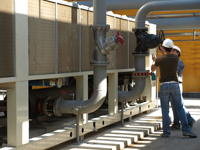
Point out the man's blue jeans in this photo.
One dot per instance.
(175, 113)
(166, 91)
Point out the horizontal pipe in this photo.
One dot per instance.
(121, 4)
(163, 6)
(56, 83)
(183, 34)
(162, 16)
(176, 23)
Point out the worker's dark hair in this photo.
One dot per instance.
(179, 54)
(168, 49)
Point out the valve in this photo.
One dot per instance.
(161, 38)
(120, 39)
(145, 41)
(105, 45)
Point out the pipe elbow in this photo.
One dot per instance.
(134, 93)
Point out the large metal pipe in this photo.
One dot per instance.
(140, 25)
(121, 4)
(99, 64)
(163, 6)
(99, 94)
(99, 12)
(176, 23)
(139, 82)
(163, 24)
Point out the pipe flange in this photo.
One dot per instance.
(100, 27)
(140, 53)
(46, 104)
(140, 29)
(99, 63)
(55, 107)
(140, 74)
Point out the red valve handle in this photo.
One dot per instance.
(120, 38)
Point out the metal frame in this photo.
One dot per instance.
(18, 128)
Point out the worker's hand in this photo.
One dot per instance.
(153, 57)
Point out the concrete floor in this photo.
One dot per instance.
(141, 133)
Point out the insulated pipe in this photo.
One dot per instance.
(100, 77)
(176, 23)
(121, 4)
(163, 6)
(139, 82)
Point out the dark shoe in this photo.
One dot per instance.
(190, 134)
(165, 136)
(191, 124)
(175, 127)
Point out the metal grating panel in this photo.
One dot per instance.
(132, 44)
(41, 37)
(68, 52)
(6, 39)
(85, 41)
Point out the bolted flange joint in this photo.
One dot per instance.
(140, 74)
(55, 107)
(100, 62)
(100, 27)
(47, 106)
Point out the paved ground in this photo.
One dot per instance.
(176, 141)
(142, 133)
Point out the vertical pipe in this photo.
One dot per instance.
(99, 19)
(139, 63)
(99, 12)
